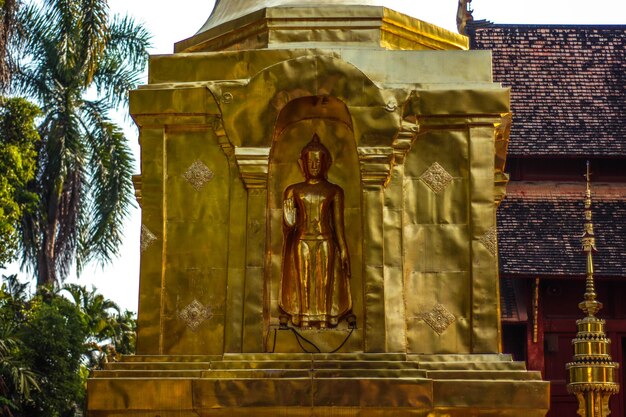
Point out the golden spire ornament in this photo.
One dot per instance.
(592, 374)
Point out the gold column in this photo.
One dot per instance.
(592, 374)
(484, 244)
(393, 212)
(253, 168)
(152, 225)
(233, 332)
(375, 170)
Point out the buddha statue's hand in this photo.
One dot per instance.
(345, 262)
(289, 212)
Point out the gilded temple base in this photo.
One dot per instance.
(355, 384)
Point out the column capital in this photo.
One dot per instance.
(376, 163)
(403, 141)
(253, 166)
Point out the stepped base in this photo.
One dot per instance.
(341, 385)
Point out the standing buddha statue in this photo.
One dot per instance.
(315, 291)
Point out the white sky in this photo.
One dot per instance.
(170, 22)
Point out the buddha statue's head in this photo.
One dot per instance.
(315, 159)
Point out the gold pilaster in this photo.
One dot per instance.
(376, 163)
(234, 313)
(592, 374)
(393, 214)
(253, 165)
(151, 265)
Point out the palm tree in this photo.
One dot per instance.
(110, 332)
(83, 180)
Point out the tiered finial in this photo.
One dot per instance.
(589, 306)
(463, 15)
(592, 374)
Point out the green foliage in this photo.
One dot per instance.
(53, 337)
(18, 156)
(17, 382)
(84, 163)
(111, 332)
(51, 343)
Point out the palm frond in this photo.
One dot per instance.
(30, 242)
(111, 166)
(22, 380)
(124, 59)
(16, 289)
(63, 28)
(114, 81)
(69, 212)
(129, 42)
(94, 32)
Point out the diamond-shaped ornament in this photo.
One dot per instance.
(194, 314)
(490, 240)
(198, 174)
(436, 178)
(439, 319)
(147, 238)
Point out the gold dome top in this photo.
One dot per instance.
(254, 24)
(228, 10)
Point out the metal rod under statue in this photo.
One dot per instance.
(316, 266)
(592, 374)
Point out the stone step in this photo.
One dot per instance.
(171, 358)
(270, 396)
(267, 357)
(318, 364)
(474, 366)
(262, 374)
(484, 375)
(463, 357)
(275, 364)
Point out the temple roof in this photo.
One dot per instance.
(567, 84)
(540, 225)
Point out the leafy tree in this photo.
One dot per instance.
(18, 156)
(17, 380)
(84, 168)
(53, 335)
(49, 344)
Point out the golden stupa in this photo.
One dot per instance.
(592, 373)
(350, 275)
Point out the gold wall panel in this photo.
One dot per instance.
(426, 290)
(196, 254)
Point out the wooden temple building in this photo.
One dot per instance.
(569, 105)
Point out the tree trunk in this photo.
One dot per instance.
(46, 274)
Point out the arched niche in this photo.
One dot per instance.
(297, 122)
(248, 107)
